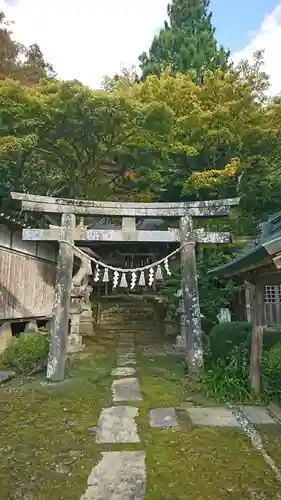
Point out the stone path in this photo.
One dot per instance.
(163, 418)
(120, 475)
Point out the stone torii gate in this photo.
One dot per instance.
(72, 233)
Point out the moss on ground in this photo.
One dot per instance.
(196, 463)
(46, 449)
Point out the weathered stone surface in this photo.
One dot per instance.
(120, 475)
(212, 417)
(75, 343)
(6, 337)
(127, 353)
(123, 371)
(5, 376)
(257, 415)
(126, 389)
(31, 327)
(123, 361)
(275, 411)
(163, 418)
(117, 425)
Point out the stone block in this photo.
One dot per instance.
(6, 337)
(212, 417)
(31, 327)
(123, 371)
(126, 389)
(75, 343)
(163, 418)
(117, 425)
(120, 475)
(257, 415)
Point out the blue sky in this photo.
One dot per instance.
(86, 39)
(237, 21)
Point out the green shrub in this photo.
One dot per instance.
(271, 338)
(27, 354)
(225, 336)
(271, 371)
(228, 379)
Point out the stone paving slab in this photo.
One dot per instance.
(123, 371)
(117, 425)
(120, 475)
(123, 361)
(163, 418)
(257, 415)
(126, 389)
(126, 354)
(212, 417)
(6, 375)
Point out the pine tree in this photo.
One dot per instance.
(187, 42)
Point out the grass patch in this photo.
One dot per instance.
(46, 449)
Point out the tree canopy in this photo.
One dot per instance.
(187, 42)
(24, 64)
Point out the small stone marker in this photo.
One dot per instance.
(257, 415)
(117, 425)
(126, 389)
(123, 371)
(120, 475)
(212, 417)
(163, 418)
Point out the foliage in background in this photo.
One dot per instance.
(27, 354)
(23, 64)
(271, 369)
(187, 42)
(227, 365)
(227, 380)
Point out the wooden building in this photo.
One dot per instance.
(27, 274)
(260, 268)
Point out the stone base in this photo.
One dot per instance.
(86, 324)
(181, 343)
(6, 337)
(75, 343)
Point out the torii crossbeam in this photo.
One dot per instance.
(69, 232)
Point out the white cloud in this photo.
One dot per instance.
(86, 39)
(269, 39)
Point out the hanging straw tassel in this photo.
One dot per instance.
(123, 282)
(151, 277)
(105, 276)
(159, 275)
(142, 279)
(133, 280)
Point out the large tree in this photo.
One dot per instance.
(186, 43)
(24, 64)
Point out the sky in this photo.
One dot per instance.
(87, 39)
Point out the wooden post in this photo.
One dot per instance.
(257, 336)
(194, 355)
(60, 316)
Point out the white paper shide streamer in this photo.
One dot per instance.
(151, 276)
(137, 275)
